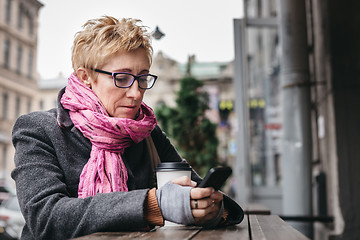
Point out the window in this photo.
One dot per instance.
(4, 157)
(5, 103)
(29, 105)
(20, 16)
(19, 59)
(31, 25)
(30, 64)
(17, 106)
(41, 104)
(8, 11)
(7, 53)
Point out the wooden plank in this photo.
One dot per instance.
(255, 208)
(272, 227)
(255, 229)
(172, 233)
(239, 231)
(111, 235)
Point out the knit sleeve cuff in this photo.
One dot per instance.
(152, 211)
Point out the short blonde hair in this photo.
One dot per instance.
(105, 36)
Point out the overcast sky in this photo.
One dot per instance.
(200, 27)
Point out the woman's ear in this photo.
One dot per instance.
(84, 77)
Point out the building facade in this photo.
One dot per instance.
(18, 76)
(48, 91)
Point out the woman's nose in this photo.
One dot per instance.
(134, 91)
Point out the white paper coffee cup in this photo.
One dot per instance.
(168, 171)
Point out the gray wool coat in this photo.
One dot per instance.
(50, 154)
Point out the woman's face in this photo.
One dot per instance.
(122, 102)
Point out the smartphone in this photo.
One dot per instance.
(216, 177)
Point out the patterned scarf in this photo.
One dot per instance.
(105, 171)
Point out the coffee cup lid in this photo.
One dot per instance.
(173, 166)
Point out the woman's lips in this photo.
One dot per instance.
(132, 106)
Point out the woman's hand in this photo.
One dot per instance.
(205, 202)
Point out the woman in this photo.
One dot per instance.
(85, 166)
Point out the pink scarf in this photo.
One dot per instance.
(105, 171)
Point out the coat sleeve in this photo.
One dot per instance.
(49, 210)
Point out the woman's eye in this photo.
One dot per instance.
(121, 79)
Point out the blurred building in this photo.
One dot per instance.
(216, 76)
(298, 150)
(18, 76)
(48, 91)
(169, 74)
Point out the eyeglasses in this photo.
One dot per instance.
(126, 80)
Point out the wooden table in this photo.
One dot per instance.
(253, 227)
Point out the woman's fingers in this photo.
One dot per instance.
(216, 196)
(199, 193)
(201, 203)
(202, 212)
(203, 215)
(184, 181)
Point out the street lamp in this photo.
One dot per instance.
(157, 34)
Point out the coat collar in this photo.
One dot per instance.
(65, 122)
(63, 116)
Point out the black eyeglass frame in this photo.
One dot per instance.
(135, 77)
